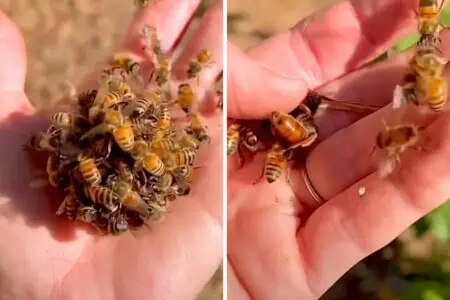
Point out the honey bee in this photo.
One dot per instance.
(129, 198)
(429, 25)
(436, 93)
(150, 35)
(163, 146)
(143, 126)
(394, 141)
(184, 174)
(186, 97)
(40, 142)
(64, 120)
(117, 224)
(70, 205)
(233, 138)
(202, 59)
(89, 171)
(153, 164)
(86, 214)
(104, 196)
(142, 104)
(122, 88)
(198, 129)
(187, 140)
(86, 100)
(184, 157)
(297, 132)
(163, 125)
(163, 184)
(54, 171)
(121, 129)
(163, 70)
(123, 62)
(276, 163)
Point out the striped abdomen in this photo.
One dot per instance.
(153, 164)
(185, 157)
(437, 93)
(62, 120)
(275, 165)
(104, 196)
(89, 171)
(124, 137)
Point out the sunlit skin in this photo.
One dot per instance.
(281, 244)
(42, 256)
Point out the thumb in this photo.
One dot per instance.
(255, 90)
(12, 52)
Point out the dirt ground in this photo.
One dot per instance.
(65, 38)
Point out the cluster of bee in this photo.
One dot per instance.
(289, 131)
(120, 158)
(423, 84)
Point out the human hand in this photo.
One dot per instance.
(271, 253)
(43, 256)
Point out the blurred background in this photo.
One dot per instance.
(415, 266)
(64, 39)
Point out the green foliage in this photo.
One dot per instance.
(426, 290)
(437, 222)
(445, 16)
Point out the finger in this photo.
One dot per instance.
(169, 17)
(255, 91)
(354, 227)
(337, 40)
(208, 36)
(348, 144)
(12, 52)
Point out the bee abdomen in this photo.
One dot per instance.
(104, 196)
(153, 164)
(272, 171)
(124, 137)
(89, 172)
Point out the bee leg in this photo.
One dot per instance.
(259, 178)
(240, 156)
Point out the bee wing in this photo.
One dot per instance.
(61, 208)
(398, 100)
(99, 129)
(387, 166)
(135, 203)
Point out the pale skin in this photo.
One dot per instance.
(281, 243)
(42, 256)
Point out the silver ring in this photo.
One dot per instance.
(312, 191)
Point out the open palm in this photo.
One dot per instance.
(45, 257)
(284, 249)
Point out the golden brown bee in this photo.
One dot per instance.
(53, 170)
(202, 59)
(163, 70)
(431, 83)
(104, 196)
(151, 40)
(115, 123)
(153, 164)
(184, 174)
(87, 214)
(186, 97)
(141, 104)
(139, 150)
(40, 142)
(163, 184)
(124, 61)
(69, 206)
(86, 100)
(163, 146)
(184, 157)
(429, 25)
(117, 224)
(129, 198)
(143, 126)
(276, 163)
(89, 171)
(394, 141)
(110, 100)
(233, 138)
(163, 126)
(198, 129)
(187, 140)
(297, 132)
(124, 137)
(122, 88)
(64, 120)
